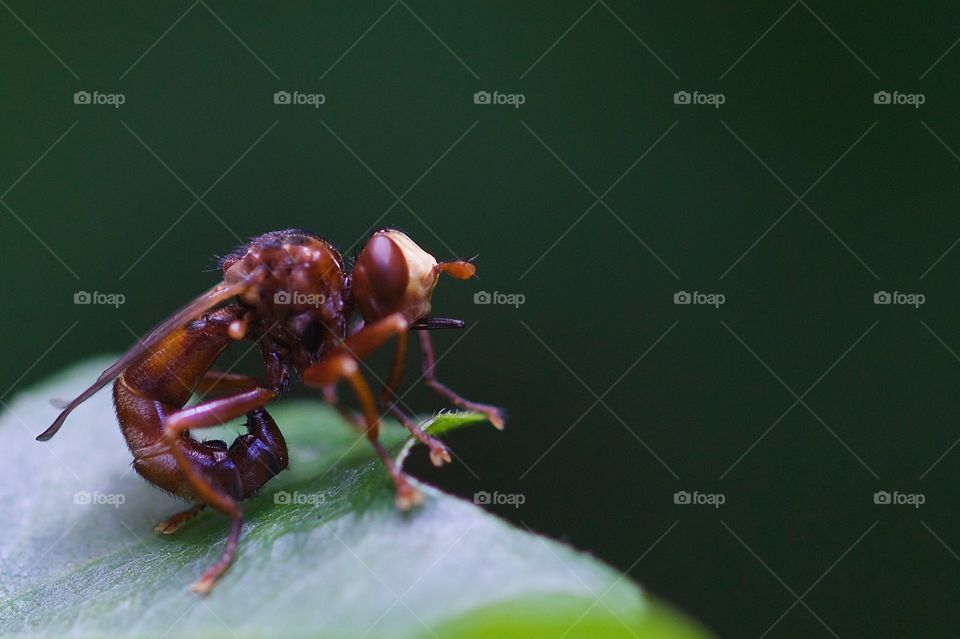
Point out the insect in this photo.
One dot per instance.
(289, 292)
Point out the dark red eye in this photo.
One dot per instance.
(380, 277)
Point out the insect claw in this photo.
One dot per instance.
(439, 455)
(173, 523)
(166, 527)
(495, 417)
(203, 585)
(408, 497)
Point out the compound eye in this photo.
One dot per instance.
(381, 276)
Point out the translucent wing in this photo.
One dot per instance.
(207, 300)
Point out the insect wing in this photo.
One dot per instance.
(207, 300)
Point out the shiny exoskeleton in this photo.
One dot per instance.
(287, 291)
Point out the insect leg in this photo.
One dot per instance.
(170, 525)
(331, 397)
(343, 363)
(438, 452)
(396, 370)
(204, 415)
(346, 367)
(219, 499)
(215, 412)
(218, 384)
(356, 347)
(429, 375)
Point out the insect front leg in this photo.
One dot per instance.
(343, 363)
(429, 375)
(331, 397)
(439, 454)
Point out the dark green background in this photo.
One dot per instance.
(799, 518)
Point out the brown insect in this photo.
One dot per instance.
(289, 292)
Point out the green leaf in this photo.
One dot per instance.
(336, 560)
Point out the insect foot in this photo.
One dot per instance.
(408, 497)
(173, 523)
(203, 585)
(439, 454)
(496, 418)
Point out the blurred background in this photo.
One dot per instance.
(776, 457)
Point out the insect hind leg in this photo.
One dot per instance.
(173, 523)
(236, 473)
